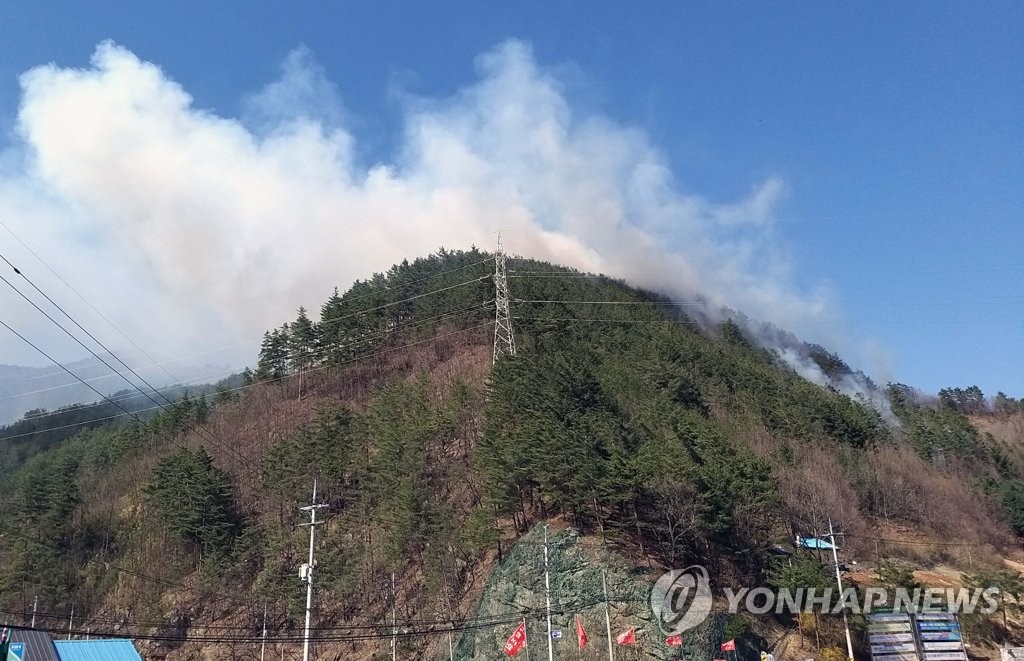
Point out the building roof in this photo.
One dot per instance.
(38, 644)
(813, 543)
(95, 650)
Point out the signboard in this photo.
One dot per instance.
(945, 656)
(940, 637)
(891, 637)
(16, 652)
(918, 637)
(895, 657)
(893, 648)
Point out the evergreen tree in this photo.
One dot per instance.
(194, 499)
(302, 343)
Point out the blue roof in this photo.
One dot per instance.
(812, 543)
(96, 650)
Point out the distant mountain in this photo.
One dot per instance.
(28, 388)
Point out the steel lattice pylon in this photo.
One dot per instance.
(504, 341)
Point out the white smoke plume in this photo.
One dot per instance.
(181, 223)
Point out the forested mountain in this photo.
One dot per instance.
(647, 434)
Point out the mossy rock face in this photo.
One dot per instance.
(515, 589)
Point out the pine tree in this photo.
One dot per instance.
(273, 355)
(302, 342)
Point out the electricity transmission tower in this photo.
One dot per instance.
(504, 342)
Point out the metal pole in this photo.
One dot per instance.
(547, 594)
(71, 620)
(839, 582)
(607, 618)
(526, 640)
(394, 621)
(35, 603)
(577, 638)
(311, 508)
(263, 645)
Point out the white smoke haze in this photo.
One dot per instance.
(181, 224)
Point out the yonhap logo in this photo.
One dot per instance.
(681, 599)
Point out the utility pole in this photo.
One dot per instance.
(35, 604)
(839, 582)
(451, 615)
(547, 594)
(307, 571)
(263, 645)
(504, 341)
(71, 620)
(394, 620)
(607, 618)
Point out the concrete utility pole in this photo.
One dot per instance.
(839, 582)
(547, 594)
(306, 572)
(263, 645)
(504, 341)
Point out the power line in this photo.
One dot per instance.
(50, 358)
(319, 352)
(80, 296)
(681, 322)
(673, 303)
(436, 628)
(238, 388)
(344, 300)
(118, 373)
(128, 622)
(909, 542)
(112, 400)
(199, 429)
(333, 320)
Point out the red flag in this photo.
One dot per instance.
(516, 641)
(729, 645)
(581, 634)
(627, 637)
(674, 641)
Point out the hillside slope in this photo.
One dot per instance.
(660, 436)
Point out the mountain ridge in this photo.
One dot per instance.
(671, 439)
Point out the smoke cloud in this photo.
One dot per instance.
(182, 224)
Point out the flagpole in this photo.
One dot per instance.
(607, 619)
(577, 637)
(526, 640)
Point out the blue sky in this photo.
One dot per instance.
(893, 130)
